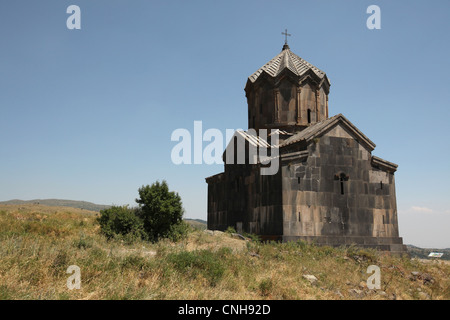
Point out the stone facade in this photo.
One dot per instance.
(329, 188)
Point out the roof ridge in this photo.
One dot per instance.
(321, 126)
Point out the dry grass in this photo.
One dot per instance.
(38, 243)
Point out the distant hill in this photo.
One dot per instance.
(197, 223)
(60, 203)
(422, 253)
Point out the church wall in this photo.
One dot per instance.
(318, 204)
(286, 104)
(217, 211)
(247, 201)
(307, 101)
(261, 103)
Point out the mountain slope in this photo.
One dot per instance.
(60, 203)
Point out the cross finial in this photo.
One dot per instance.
(285, 36)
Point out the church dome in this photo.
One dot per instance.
(286, 59)
(287, 93)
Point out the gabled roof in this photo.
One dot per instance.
(383, 164)
(280, 132)
(319, 128)
(287, 59)
(255, 140)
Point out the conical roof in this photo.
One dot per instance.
(287, 59)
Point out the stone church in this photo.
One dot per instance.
(329, 189)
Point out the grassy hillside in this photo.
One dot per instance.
(39, 243)
(59, 203)
(197, 223)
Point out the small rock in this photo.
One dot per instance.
(210, 232)
(382, 293)
(424, 296)
(312, 279)
(356, 293)
(362, 285)
(427, 278)
(415, 275)
(254, 254)
(238, 236)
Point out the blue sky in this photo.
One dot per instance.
(88, 114)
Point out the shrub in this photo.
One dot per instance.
(83, 242)
(265, 287)
(179, 231)
(121, 221)
(252, 236)
(230, 230)
(202, 262)
(161, 210)
(159, 215)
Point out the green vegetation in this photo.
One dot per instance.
(158, 216)
(122, 222)
(37, 245)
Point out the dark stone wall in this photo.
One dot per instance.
(243, 198)
(327, 191)
(283, 103)
(336, 193)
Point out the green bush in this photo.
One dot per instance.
(121, 221)
(161, 210)
(252, 236)
(179, 231)
(230, 230)
(159, 215)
